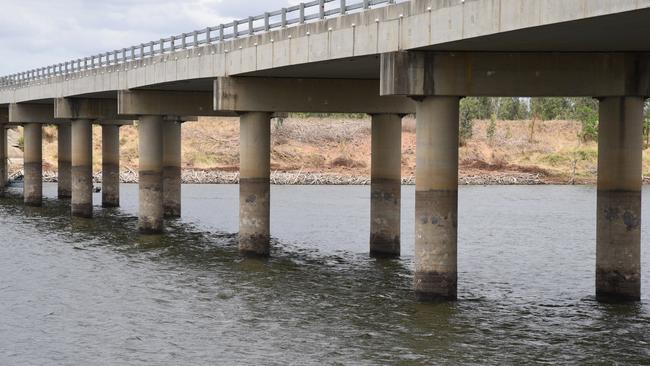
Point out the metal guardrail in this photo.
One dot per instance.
(302, 13)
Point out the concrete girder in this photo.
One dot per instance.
(167, 103)
(534, 74)
(249, 94)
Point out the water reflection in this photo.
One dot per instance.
(78, 291)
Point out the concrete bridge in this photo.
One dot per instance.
(382, 57)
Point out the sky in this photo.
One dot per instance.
(37, 33)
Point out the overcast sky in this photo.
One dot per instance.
(37, 33)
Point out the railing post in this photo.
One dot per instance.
(267, 23)
(207, 35)
(162, 46)
(196, 39)
(302, 13)
(235, 31)
(343, 7)
(284, 17)
(321, 9)
(172, 44)
(366, 4)
(183, 41)
(221, 33)
(250, 26)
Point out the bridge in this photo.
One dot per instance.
(386, 58)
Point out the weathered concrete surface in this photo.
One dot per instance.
(31, 113)
(85, 108)
(150, 135)
(82, 168)
(436, 199)
(33, 184)
(618, 234)
(405, 26)
(305, 95)
(110, 165)
(386, 185)
(167, 103)
(64, 152)
(416, 73)
(3, 160)
(172, 169)
(254, 184)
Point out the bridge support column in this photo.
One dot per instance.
(33, 160)
(82, 168)
(150, 131)
(386, 185)
(110, 165)
(172, 169)
(436, 198)
(618, 259)
(64, 185)
(4, 173)
(254, 183)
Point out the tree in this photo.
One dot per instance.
(646, 124)
(469, 111)
(492, 128)
(551, 108)
(586, 112)
(512, 109)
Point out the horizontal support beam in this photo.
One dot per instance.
(31, 113)
(535, 74)
(166, 103)
(86, 108)
(249, 94)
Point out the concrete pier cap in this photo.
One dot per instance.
(252, 94)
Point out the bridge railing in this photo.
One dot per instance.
(297, 14)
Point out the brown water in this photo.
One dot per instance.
(93, 292)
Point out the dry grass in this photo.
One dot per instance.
(342, 146)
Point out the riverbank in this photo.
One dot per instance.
(335, 150)
(191, 176)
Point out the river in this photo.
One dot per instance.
(94, 292)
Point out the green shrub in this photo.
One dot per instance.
(492, 127)
(588, 118)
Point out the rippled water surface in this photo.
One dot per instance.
(94, 292)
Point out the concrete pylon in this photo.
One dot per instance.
(254, 183)
(618, 234)
(150, 140)
(436, 198)
(110, 165)
(33, 161)
(386, 185)
(82, 168)
(172, 169)
(64, 147)
(4, 173)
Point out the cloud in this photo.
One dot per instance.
(37, 33)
